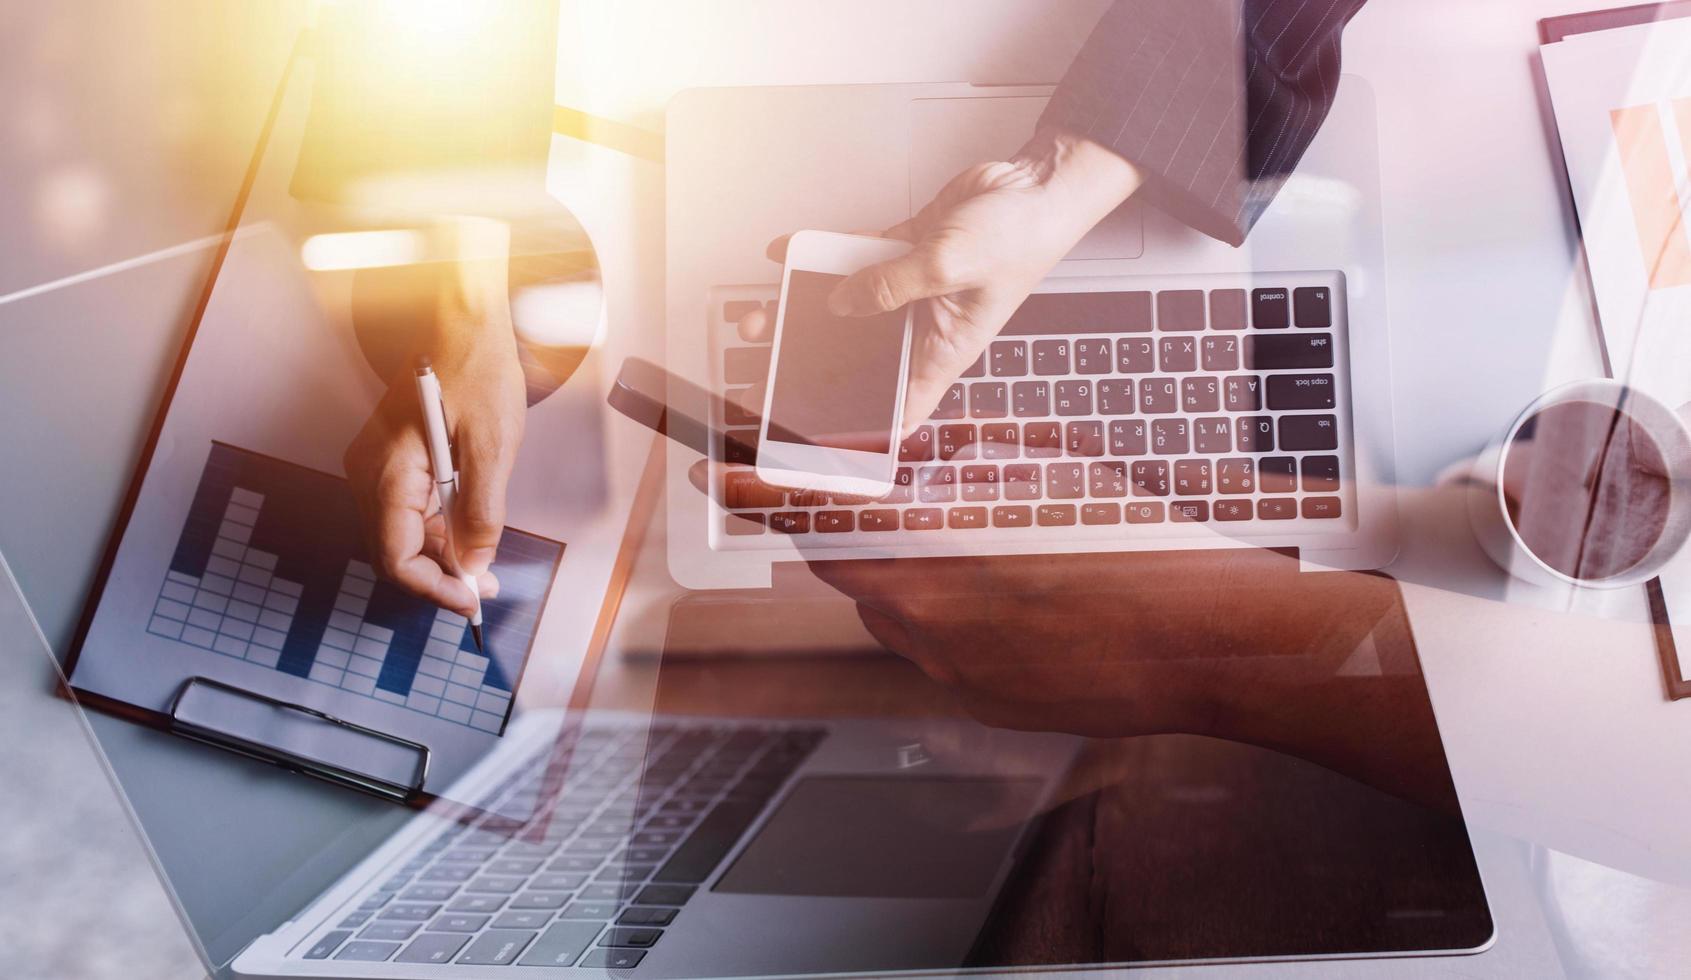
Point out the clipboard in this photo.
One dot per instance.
(296, 670)
(1552, 30)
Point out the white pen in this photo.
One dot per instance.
(445, 479)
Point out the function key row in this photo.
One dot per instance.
(1173, 310)
(1034, 515)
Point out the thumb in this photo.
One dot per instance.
(890, 285)
(478, 519)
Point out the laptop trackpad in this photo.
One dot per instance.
(948, 136)
(886, 837)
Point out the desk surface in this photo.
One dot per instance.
(1555, 723)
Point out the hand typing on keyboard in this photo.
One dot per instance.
(981, 245)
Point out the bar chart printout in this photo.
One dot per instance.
(271, 569)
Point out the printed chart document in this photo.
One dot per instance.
(1622, 101)
(243, 562)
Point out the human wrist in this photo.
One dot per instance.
(1085, 179)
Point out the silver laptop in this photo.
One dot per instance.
(1160, 391)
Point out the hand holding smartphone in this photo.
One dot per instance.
(835, 401)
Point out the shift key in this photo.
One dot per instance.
(562, 944)
(496, 947)
(1274, 352)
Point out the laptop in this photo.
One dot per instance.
(1160, 391)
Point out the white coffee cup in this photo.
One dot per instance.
(1500, 530)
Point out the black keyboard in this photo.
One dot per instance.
(1166, 408)
(582, 856)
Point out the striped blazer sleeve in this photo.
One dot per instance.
(1215, 100)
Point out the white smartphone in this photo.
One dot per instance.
(835, 401)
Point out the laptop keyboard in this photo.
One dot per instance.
(582, 856)
(1150, 409)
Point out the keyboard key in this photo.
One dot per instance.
(459, 922)
(1116, 396)
(1277, 474)
(1074, 398)
(1015, 515)
(428, 893)
(613, 959)
(1304, 433)
(1180, 309)
(835, 522)
(1213, 435)
(1320, 474)
(1295, 392)
(356, 919)
(977, 369)
(1233, 510)
(1107, 479)
(664, 895)
(989, 400)
(781, 522)
(1009, 358)
(1089, 312)
(433, 947)
(953, 404)
(501, 884)
(1144, 512)
(1242, 393)
(496, 947)
(512, 866)
(980, 483)
(1200, 395)
(1158, 396)
(1085, 438)
(739, 446)
(1189, 511)
(742, 406)
(409, 913)
(877, 520)
(588, 910)
(1042, 439)
(477, 903)
(1064, 481)
(1128, 438)
(735, 310)
(561, 945)
(743, 524)
(1030, 399)
(1001, 440)
(366, 951)
(966, 518)
(741, 490)
(924, 519)
(1277, 508)
(1149, 478)
(1171, 437)
(1320, 508)
(1093, 356)
(540, 900)
(390, 930)
(1281, 353)
(1176, 355)
(1023, 481)
(1227, 309)
(1256, 434)
(1235, 475)
(956, 442)
(528, 919)
(639, 916)
(1312, 307)
(328, 943)
(1050, 357)
(937, 484)
(1136, 356)
(1269, 310)
(918, 446)
(903, 486)
(1220, 353)
(1192, 478)
(1099, 514)
(632, 938)
(745, 365)
(711, 838)
(464, 872)
(1056, 515)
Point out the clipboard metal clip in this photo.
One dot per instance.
(299, 738)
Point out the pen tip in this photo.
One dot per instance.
(475, 633)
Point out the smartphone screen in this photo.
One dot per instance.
(837, 381)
